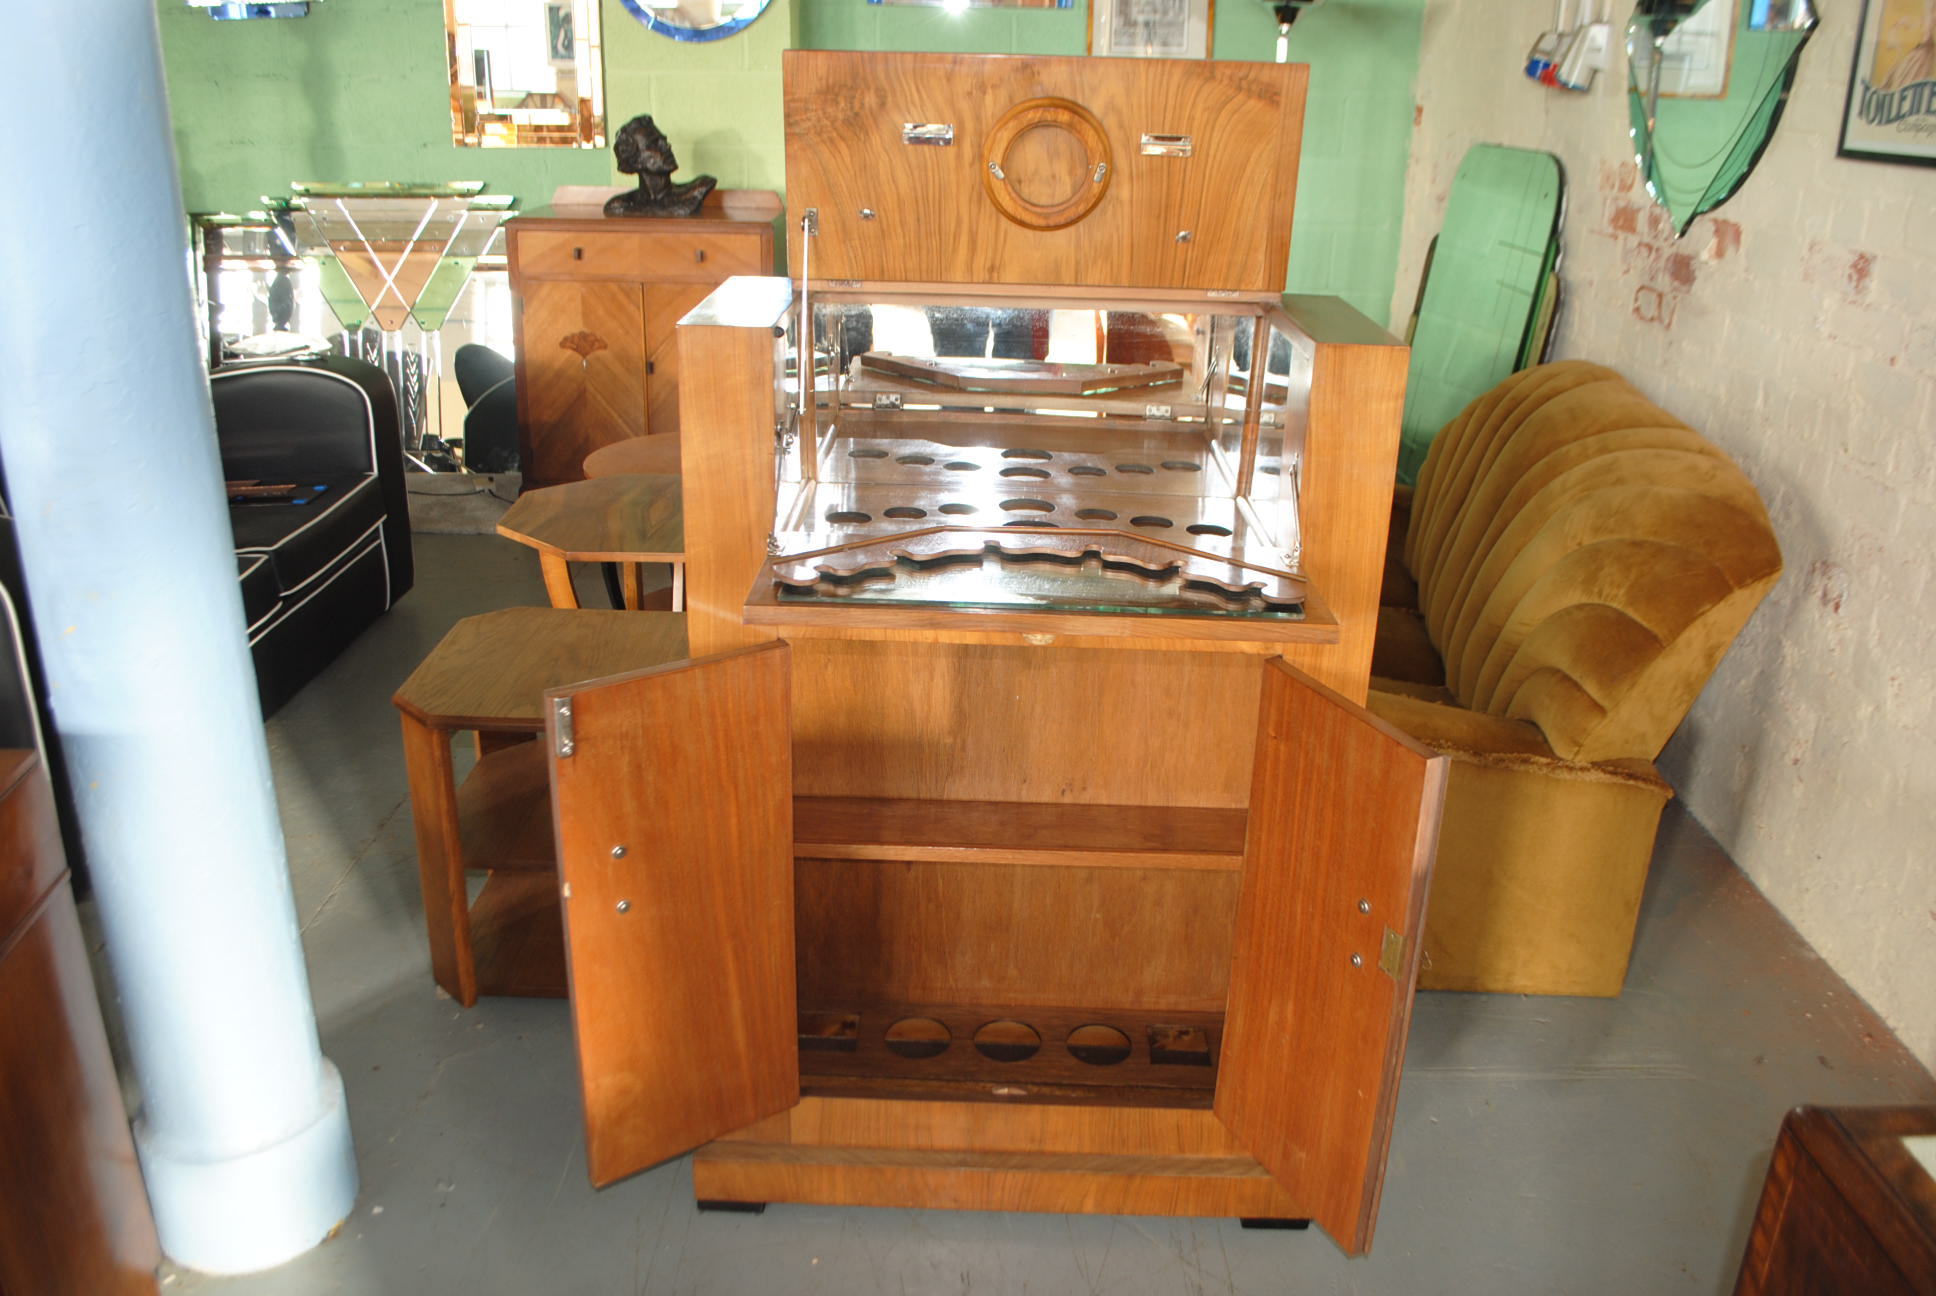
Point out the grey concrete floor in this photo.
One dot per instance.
(1543, 1145)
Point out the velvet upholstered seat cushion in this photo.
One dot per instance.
(1583, 559)
(1570, 569)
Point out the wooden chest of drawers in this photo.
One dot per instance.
(597, 300)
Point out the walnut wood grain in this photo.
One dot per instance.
(1052, 1072)
(665, 305)
(440, 857)
(1049, 723)
(489, 674)
(31, 868)
(995, 1127)
(934, 221)
(674, 828)
(729, 383)
(632, 518)
(623, 283)
(1343, 825)
(491, 671)
(647, 454)
(1844, 1208)
(1351, 412)
(1100, 1184)
(519, 936)
(76, 1217)
(1129, 939)
(504, 812)
(572, 399)
(1010, 832)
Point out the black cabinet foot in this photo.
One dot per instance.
(741, 1208)
(1266, 1222)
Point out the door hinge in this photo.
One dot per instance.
(1391, 958)
(562, 743)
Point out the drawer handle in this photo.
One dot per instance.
(584, 344)
(699, 254)
(578, 254)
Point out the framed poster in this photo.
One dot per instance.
(561, 39)
(1890, 114)
(1150, 28)
(1694, 60)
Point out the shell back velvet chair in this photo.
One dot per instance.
(1573, 566)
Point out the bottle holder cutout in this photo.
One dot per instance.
(1012, 1053)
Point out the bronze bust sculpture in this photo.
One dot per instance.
(642, 148)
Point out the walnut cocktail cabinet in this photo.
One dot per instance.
(1013, 837)
(596, 301)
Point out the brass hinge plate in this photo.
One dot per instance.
(1391, 958)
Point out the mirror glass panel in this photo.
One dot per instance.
(1016, 453)
(1707, 83)
(696, 20)
(525, 73)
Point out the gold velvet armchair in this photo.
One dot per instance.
(1571, 567)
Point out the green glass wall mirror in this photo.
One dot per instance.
(1707, 80)
(696, 20)
(525, 73)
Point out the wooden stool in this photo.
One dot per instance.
(489, 675)
(629, 519)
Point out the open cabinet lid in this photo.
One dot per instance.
(1343, 825)
(672, 799)
(1029, 170)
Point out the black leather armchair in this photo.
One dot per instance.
(321, 564)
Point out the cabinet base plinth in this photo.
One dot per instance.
(1254, 1223)
(1013, 1181)
(731, 1207)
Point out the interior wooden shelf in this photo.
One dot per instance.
(979, 1053)
(1011, 832)
(504, 811)
(518, 938)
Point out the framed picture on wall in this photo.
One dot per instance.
(1150, 28)
(1890, 114)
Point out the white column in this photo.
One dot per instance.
(109, 448)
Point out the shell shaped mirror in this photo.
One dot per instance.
(696, 20)
(1707, 81)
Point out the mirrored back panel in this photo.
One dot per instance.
(1101, 454)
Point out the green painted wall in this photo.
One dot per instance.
(357, 91)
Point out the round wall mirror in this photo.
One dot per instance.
(1707, 83)
(696, 20)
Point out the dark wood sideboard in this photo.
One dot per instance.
(1845, 1208)
(75, 1220)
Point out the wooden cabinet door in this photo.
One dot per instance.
(1343, 824)
(581, 373)
(672, 793)
(665, 305)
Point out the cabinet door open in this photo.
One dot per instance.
(672, 795)
(1343, 823)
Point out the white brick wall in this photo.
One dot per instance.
(1795, 326)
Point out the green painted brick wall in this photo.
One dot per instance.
(356, 91)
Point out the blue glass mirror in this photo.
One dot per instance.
(696, 20)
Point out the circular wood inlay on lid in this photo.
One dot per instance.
(1047, 163)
